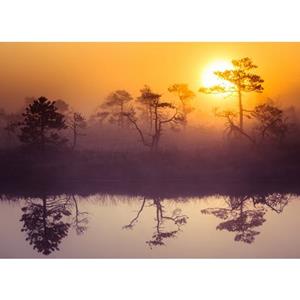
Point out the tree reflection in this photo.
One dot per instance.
(135, 219)
(80, 219)
(44, 223)
(244, 214)
(276, 202)
(166, 226)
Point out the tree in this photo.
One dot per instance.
(114, 107)
(44, 225)
(61, 105)
(147, 99)
(231, 129)
(271, 123)
(162, 113)
(242, 80)
(41, 125)
(185, 96)
(77, 123)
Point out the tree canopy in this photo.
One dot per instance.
(41, 124)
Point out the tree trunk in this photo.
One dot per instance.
(42, 138)
(156, 129)
(121, 116)
(150, 117)
(184, 111)
(74, 137)
(241, 113)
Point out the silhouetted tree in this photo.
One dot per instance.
(41, 125)
(147, 99)
(77, 123)
(231, 129)
(115, 106)
(44, 225)
(185, 96)
(61, 105)
(242, 80)
(162, 113)
(271, 123)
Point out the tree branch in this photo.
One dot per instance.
(170, 119)
(137, 128)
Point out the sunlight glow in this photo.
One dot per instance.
(209, 79)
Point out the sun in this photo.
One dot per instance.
(209, 79)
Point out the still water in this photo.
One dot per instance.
(119, 226)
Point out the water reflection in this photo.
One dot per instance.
(80, 219)
(53, 224)
(244, 214)
(166, 226)
(45, 221)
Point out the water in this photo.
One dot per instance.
(120, 226)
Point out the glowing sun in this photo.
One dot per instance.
(209, 79)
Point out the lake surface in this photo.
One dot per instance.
(120, 226)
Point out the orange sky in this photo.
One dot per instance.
(84, 73)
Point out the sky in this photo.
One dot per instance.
(83, 74)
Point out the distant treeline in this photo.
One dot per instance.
(149, 138)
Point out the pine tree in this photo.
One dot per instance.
(41, 125)
(242, 80)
